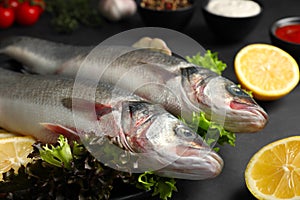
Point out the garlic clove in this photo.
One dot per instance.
(154, 44)
(115, 10)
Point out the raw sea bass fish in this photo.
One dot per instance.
(180, 87)
(45, 106)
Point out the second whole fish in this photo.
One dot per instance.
(181, 87)
(107, 120)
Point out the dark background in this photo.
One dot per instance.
(284, 113)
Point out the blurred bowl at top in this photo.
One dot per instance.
(166, 17)
(231, 20)
(285, 34)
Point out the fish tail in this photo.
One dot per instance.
(28, 51)
(5, 58)
(8, 41)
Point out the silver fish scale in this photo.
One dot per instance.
(39, 95)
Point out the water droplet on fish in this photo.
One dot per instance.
(135, 165)
(124, 158)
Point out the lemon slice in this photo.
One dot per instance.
(268, 71)
(5, 134)
(14, 152)
(274, 171)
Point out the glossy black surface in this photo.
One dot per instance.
(290, 47)
(284, 113)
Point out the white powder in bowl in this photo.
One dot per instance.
(233, 8)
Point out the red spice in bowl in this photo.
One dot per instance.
(285, 34)
(165, 4)
(290, 33)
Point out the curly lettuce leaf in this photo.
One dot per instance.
(60, 155)
(161, 186)
(221, 136)
(87, 178)
(208, 60)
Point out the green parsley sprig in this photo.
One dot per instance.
(68, 15)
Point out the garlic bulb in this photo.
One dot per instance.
(115, 10)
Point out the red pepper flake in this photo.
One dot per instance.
(165, 4)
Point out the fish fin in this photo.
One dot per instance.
(67, 103)
(102, 109)
(69, 133)
(82, 105)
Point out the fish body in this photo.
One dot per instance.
(36, 58)
(180, 87)
(139, 136)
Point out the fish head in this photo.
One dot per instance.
(169, 147)
(187, 155)
(223, 101)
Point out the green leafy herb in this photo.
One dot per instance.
(161, 186)
(213, 132)
(208, 60)
(70, 171)
(67, 15)
(60, 156)
(85, 177)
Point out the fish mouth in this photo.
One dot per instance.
(262, 118)
(194, 164)
(252, 117)
(260, 112)
(256, 110)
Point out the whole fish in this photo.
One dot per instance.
(180, 87)
(138, 135)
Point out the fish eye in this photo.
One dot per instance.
(184, 132)
(236, 91)
(188, 71)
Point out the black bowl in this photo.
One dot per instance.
(230, 28)
(173, 19)
(290, 47)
